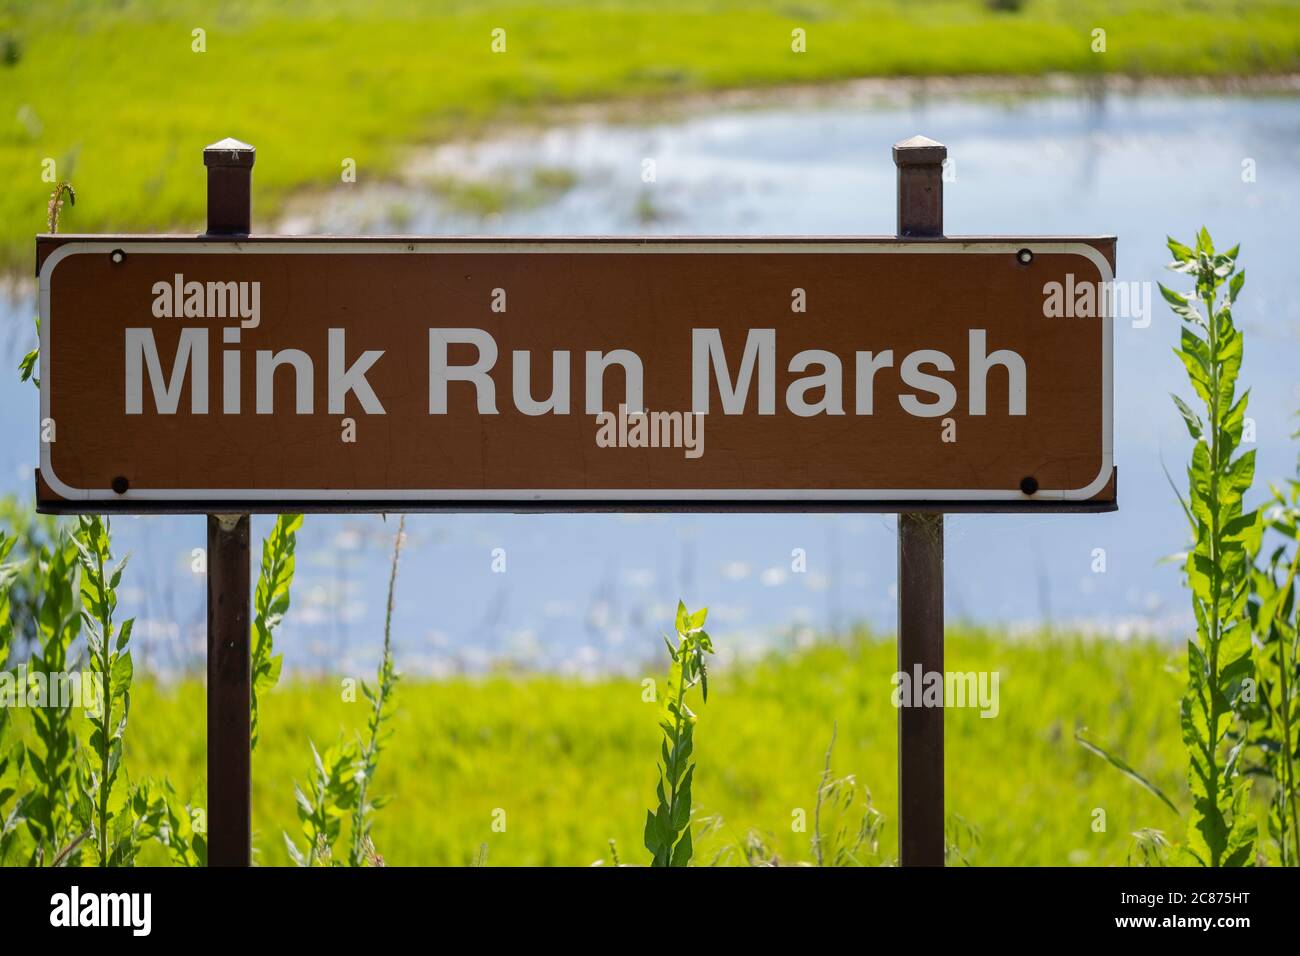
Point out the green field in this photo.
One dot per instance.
(573, 763)
(114, 94)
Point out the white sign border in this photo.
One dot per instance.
(696, 245)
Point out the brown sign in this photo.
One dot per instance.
(381, 374)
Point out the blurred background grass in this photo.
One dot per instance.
(113, 93)
(573, 763)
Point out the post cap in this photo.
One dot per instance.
(919, 151)
(229, 152)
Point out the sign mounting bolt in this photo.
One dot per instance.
(1025, 256)
(1029, 485)
(120, 484)
(118, 256)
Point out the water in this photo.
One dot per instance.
(590, 593)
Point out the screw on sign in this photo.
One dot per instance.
(228, 373)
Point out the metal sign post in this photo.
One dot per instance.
(920, 567)
(230, 795)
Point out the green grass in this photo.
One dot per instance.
(113, 93)
(573, 763)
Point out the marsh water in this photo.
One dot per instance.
(592, 593)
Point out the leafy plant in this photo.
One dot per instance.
(331, 795)
(49, 810)
(1218, 564)
(32, 535)
(668, 827)
(172, 823)
(1274, 718)
(27, 365)
(12, 753)
(340, 783)
(105, 809)
(382, 705)
(270, 604)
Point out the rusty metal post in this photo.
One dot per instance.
(230, 187)
(920, 568)
(230, 796)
